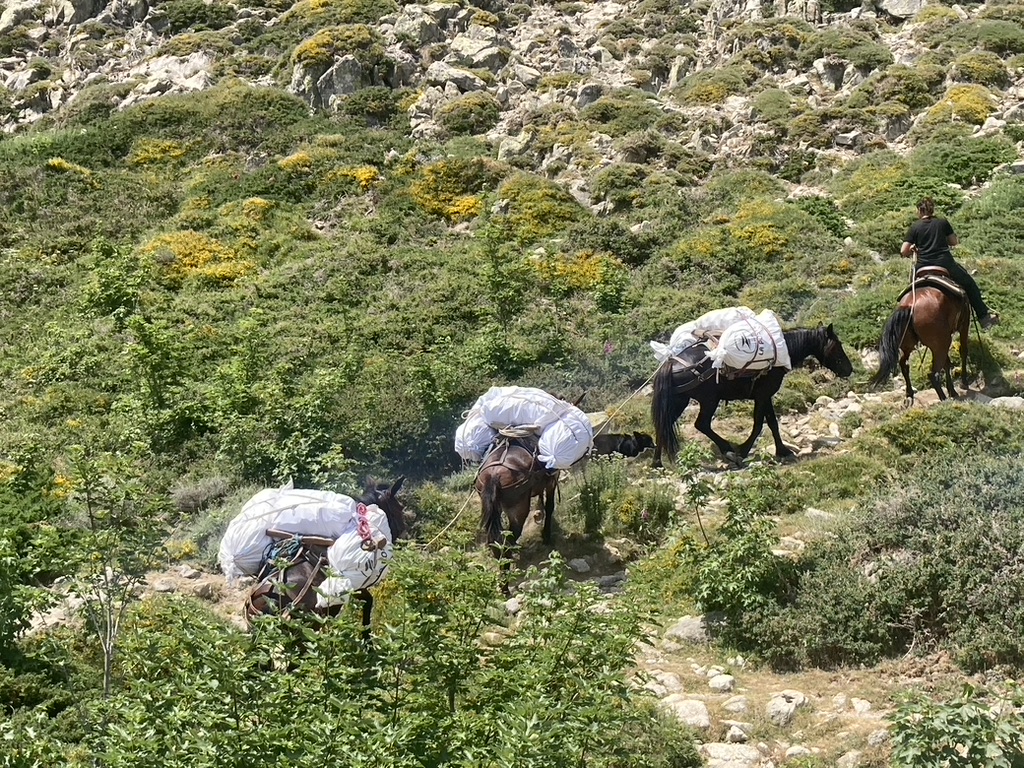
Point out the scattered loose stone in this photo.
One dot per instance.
(188, 572)
(797, 751)
(690, 712)
(782, 707)
(722, 755)
(579, 565)
(612, 579)
(669, 680)
(878, 738)
(861, 706)
(165, 586)
(722, 683)
(689, 629)
(513, 606)
(736, 705)
(736, 735)
(205, 590)
(850, 760)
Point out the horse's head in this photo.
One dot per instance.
(833, 356)
(386, 497)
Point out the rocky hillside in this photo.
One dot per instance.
(593, 94)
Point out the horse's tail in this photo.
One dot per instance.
(490, 508)
(889, 347)
(661, 411)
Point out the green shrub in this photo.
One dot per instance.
(988, 224)
(359, 40)
(929, 565)
(825, 212)
(964, 160)
(772, 44)
(712, 86)
(621, 112)
(914, 87)
(995, 35)
(470, 114)
(376, 105)
(618, 184)
(772, 105)
(863, 316)
(977, 727)
(538, 208)
(196, 15)
(183, 45)
(862, 50)
(453, 188)
(881, 183)
(983, 68)
(561, 666)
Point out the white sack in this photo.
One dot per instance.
(473, 436)
(571, 434)
(313, 513)
(520, 406)
(752, 343)
(352, 567)
(712, 322)
(566, 441)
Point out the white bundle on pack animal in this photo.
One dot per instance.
(753, 343)
(474, 435)
(565, 431)
(358, 557)
(688, 334)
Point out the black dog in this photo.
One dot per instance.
(627, 445)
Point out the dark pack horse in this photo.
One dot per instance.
(930, 312)
(287, 583)
(689, 376)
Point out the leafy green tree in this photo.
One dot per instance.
(122, 526)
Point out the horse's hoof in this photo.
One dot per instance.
(785, 458)
(733, 458)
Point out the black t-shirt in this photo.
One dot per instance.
(931, 236)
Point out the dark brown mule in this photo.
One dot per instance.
(288, 582)
(508, 480)
(928, 315)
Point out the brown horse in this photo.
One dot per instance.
(508, 480)
(288, 581)
(929, 314)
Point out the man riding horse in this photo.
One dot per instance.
(930, 239)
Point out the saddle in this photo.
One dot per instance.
(935, 277)
(275, 594)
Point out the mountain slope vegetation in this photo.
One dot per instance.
(243, 243)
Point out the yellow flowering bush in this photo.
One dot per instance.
(299, 162)
(365, 176)
(968, 103)
(156, 151)
(189, 254)
(60, 165)
(451, 188)
(598, 273)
